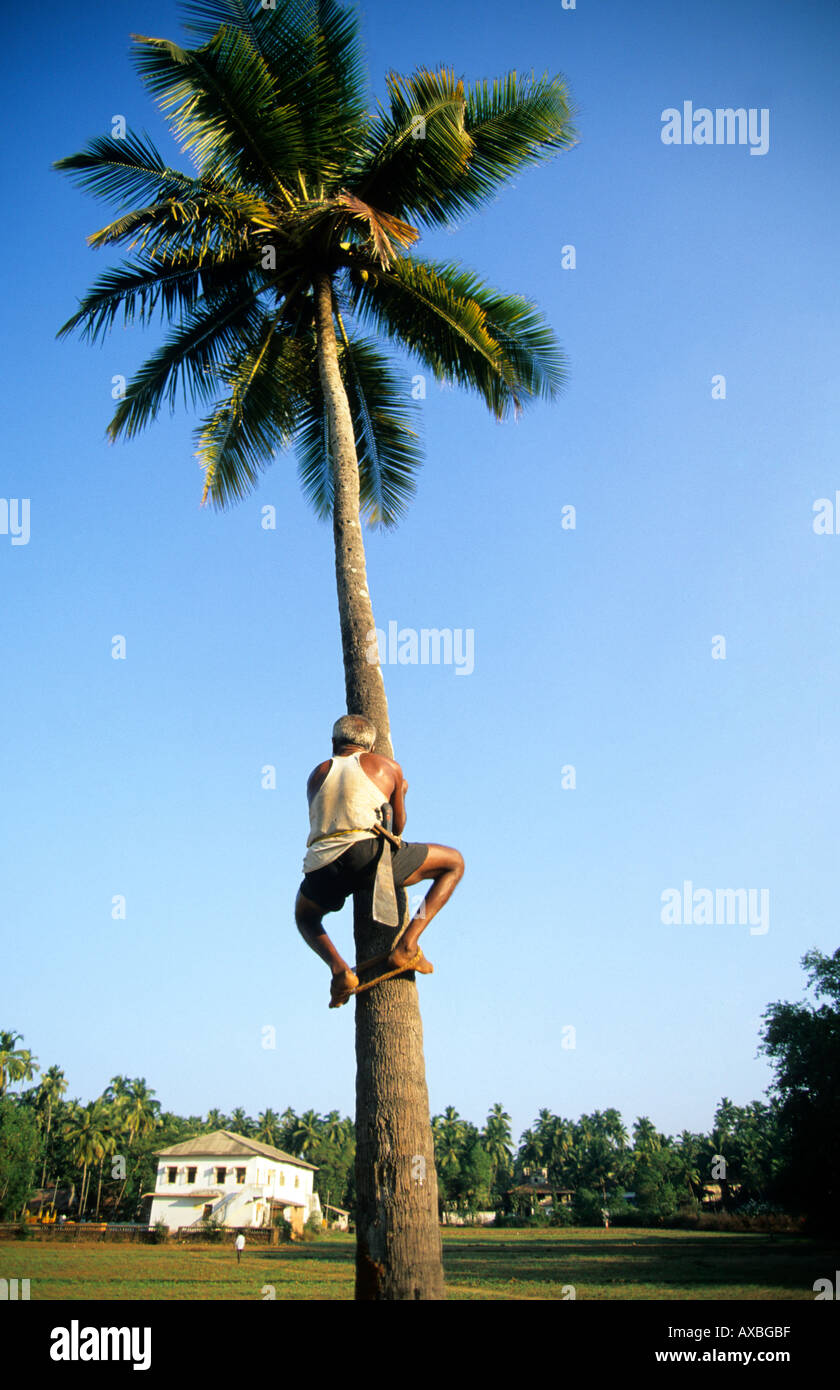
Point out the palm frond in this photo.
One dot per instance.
(267, 382)
(507, 126)
(419, 146)
(204, 18)
(465, 332)
(200, 226)
(192, 356)
(173, 282)
(224, 108)
(312, 48)
(330, 83)
(515, 123)
(387, 445)
(126, 170)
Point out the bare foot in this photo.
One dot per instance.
(341, 987)
(409, 958)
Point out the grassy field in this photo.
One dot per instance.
(480, 1264)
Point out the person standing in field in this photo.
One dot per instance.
(239, 1246)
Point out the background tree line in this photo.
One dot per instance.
(785, 1152)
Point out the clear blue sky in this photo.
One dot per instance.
(593, 646)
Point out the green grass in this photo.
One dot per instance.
(480, 1264)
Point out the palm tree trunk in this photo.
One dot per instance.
(398, 1247)
(46, 1142)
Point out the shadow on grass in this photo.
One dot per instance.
(645, 1258)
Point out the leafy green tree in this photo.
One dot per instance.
(110, 1127)
(646, 1137)
(288, 1127)
(497, 1142)
(475, 1176)
(20, 1143)
(139, 1110)
(16, 1063)
(52, 1086)
(448, 1132)
(241, 1123)
(334, 1153)
(268, 1128)
(532, 1147)
(292, 237)
(656, 1184)
(803, 1042)
(307, 1135)
(87, 1132)
(687, 1164)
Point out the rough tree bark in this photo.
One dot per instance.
(398, 1247)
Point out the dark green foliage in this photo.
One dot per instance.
(803, 1041)
(293, 179)
(211, 1229)
(779, 1157)
(20, 1149)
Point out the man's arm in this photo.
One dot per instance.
(398, 800)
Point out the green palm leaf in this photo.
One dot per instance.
(193, 356)
(267, 388)
(515, 123)
(296, 181)
(419, 146)
(465, 332)
(442, 150)
(170, 282)
(386, 444)
(224, 108)
(125, 169)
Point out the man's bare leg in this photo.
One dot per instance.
(445, 867)
(308, 918)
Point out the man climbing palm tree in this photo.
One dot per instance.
(294, 234)
(349, 796)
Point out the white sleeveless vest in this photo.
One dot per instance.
(344, 810)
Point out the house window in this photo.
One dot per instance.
(297, 1180)
(221, 1173)
(240, 1175)
(191, 1172)
(172, 1175)
(208, 1211)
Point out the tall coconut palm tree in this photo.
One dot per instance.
(85, 1131)
(308, 1133)
(110, 1128)
(241, 1123)
(139, 1111)
(16, 1063)
(291, 237)
(268, 1128)
(52, 1088)
(497, 1140)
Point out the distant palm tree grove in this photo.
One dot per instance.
(773, 1158)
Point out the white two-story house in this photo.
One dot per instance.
(232, 1180)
